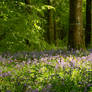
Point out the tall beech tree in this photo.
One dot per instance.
(91, 23)
(75, 40)
(88, 22)
(50, 24)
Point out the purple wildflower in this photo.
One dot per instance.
(36, 90)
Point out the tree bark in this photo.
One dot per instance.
(55, 31)
(27, 1)
(75, 40)
(50, 24)
(91, 24)
(88, 22)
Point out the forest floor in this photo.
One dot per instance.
(46, 71)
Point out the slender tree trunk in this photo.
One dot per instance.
(55, 31)
(88, 23)
(50, 24)
(76, 40)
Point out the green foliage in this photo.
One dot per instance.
(22, 27)
(17, 25)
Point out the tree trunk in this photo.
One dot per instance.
(55, 31)
(27, 1)
(50, 24)
(88, 23)
(91, 24)
(75, 40)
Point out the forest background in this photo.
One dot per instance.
(37, 25)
